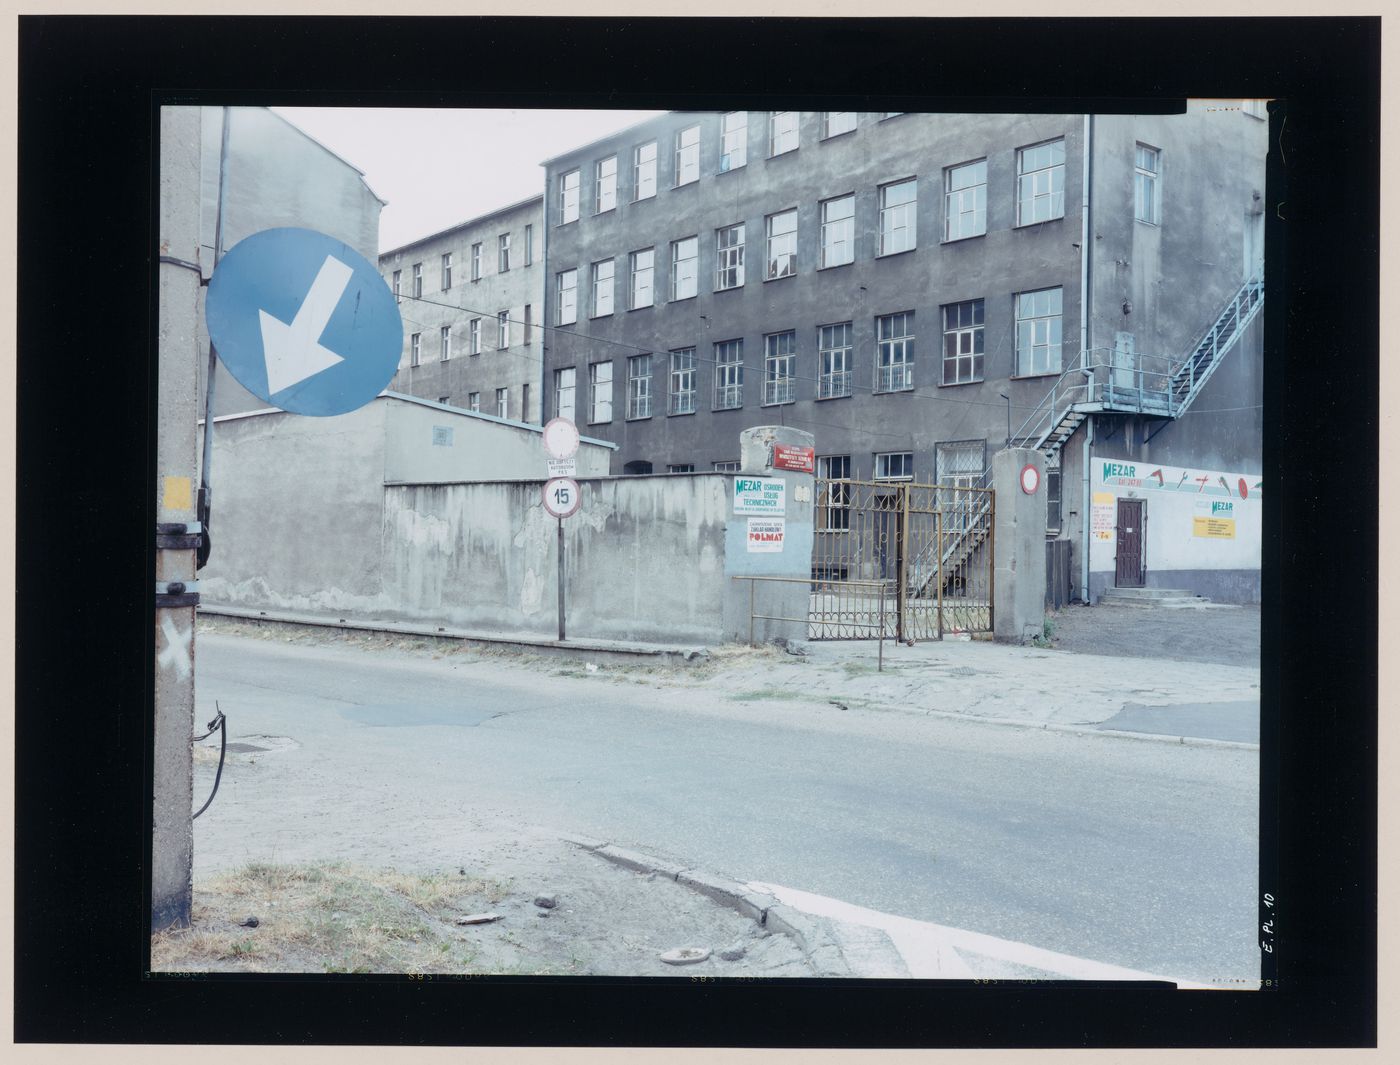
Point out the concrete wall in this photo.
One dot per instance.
(516, 367)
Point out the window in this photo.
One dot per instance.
(897, 221)
(965, 202)
(502, 403)
(602, 288)
(398, 296)
(834, 355)
(683, 281)
(782, 244)
(729, 374)
(835, 123)
(568, 197)
(732, 466)
(476, 262)
(446, 271)
(564, 393)
(729, 257)
(682, 394)
(445, 336)
(734, 140)
(566, 286)
(503, 329)
(503, 252)
(418, 281)
(639, 386)
(963, 342)
(474, 337)
(833, 505)
(782, 132)
(894, 466)
(838, 231)
(687, 155)
(529, 323)
(1038, 331)
(605, 184)
(415, 348)
(644, 171)
(1145, 191)
(680, 467)
(529, 244)
(894, 348)
(642, 264)
(779, 355)
(600, 392)
(474, 401)
(1040, 183)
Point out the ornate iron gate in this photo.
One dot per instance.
(913, 559)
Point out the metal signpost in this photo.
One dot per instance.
(561, 496)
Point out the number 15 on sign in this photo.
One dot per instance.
(561, 497)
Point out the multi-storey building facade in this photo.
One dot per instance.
(907, 287)
(470, 297)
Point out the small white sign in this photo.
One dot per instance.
(560, 438)
(766, 534)
(561, 497)
(562, 467)
(760, 495)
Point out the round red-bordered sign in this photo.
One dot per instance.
(561, 497)
(1030, 479)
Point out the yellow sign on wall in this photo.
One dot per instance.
(1213, 528)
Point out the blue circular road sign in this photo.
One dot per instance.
(304, 322)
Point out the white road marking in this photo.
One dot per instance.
(931, 950)
(177, 647)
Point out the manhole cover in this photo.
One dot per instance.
(244, 748)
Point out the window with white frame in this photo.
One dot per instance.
(603, 288)
(680, 467)
(833, 505)
(644, 171)
(474, 401)
(729, 374)
(734, 141)
(639, 386)
(965, 201)
(476, 262)
(445, 339)
(642, 265)
(474, 337)
(503, 252)
(779, 359)
(834, 356)
(1038, 329)
(782, 132)
(568, 197)
(1146, 193)
(729, 257)
(415, 348)
(681, 398)
(963, 342)
(529, 244)
(835, 123)
(683, 266)
(503, 329)
(782, 244)
(1040, 182)
(894, 352)
(838, 231)
(728, 466)
(502, 403)
(605, 184)
(446, 270)
(687, 155)
(564, 393)
(898, 225)
(417, 281)
(566, 291)
(398, 296)
(894, 466)
(600, 392)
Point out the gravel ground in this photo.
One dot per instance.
(1227, 635)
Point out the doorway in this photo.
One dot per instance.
(1131, 568)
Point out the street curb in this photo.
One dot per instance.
(817, 938)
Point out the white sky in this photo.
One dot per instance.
(438, 167)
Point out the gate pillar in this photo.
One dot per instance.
(1018, 600)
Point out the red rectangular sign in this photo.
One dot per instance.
(802, 459)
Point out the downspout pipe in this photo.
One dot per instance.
(1086, 279)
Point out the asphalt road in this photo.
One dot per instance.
(1133, 853)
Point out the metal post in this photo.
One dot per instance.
(940, 573)
(561, 578)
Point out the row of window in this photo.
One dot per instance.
(781, 138)
(1039, 320)
(502, 402)
(503, 322)
(503, 264)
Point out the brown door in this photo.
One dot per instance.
(1130, 561)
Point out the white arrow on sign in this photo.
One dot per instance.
(294, 352)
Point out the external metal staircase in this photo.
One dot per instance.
(1100, 379)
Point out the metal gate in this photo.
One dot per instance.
(913, 560)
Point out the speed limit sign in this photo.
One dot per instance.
(562, 497)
